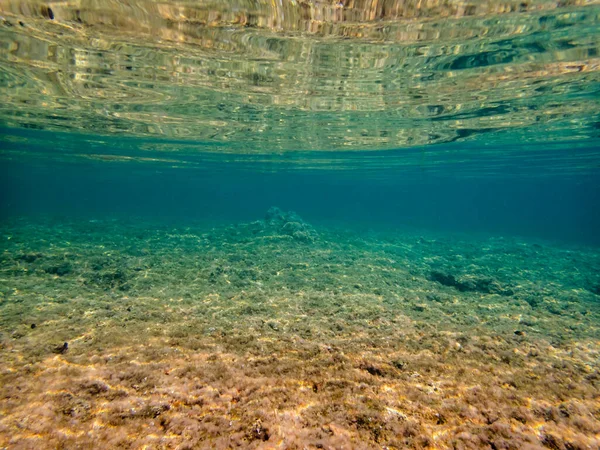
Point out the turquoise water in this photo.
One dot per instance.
(536, 190)
(300, 224)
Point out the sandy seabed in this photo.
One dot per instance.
(275, 334)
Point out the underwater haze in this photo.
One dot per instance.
(300, 224)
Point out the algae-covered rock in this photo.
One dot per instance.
(29, 257)
(290, 224)
(61, 269)
(470, 283)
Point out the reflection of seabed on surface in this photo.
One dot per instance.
(270, 79)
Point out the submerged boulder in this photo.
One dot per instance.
(470, 283)
(289, 223)
(275, 217)
(276, 223)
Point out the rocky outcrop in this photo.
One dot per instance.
(290, 224)
(470, 284)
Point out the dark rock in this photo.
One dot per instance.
(550, 441)
(372, 369)
(59, 269)
(98, 264)
(470, 284)
(533, 300)
(594, 376)
(258, 432)
(29, 257)
(399, 364)
(47, 12)
(61, 349)
(443, 278)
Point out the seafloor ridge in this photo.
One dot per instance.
(277, 334)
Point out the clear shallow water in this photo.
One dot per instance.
(430, 281)
(554, 197)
